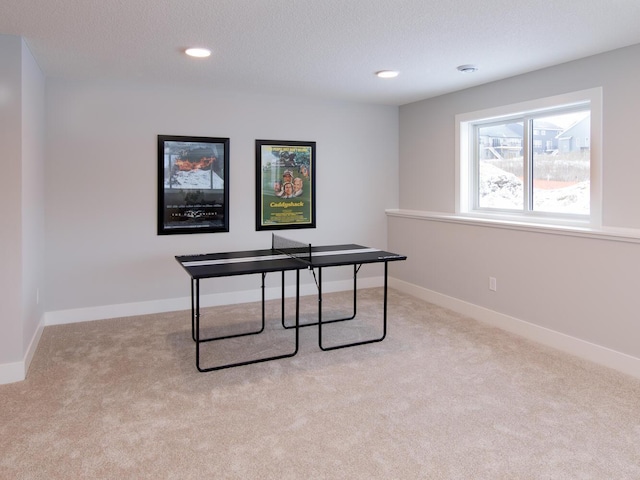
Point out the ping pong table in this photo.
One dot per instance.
(284, 256)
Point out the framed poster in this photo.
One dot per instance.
(285, 184)
(193, 184)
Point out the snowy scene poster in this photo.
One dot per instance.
(193, 193)
(285, 184)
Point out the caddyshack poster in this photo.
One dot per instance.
(285, 184)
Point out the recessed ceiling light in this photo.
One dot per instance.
(387, 74)
(198, 52)
(467, 68)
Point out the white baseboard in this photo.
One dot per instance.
(17, 371)
(12, 372)
(581, 348)
(75, 315)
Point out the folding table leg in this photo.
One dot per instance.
(356, 268)
(195, 318)
(211, 339)
(321, 322)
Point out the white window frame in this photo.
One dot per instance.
(464, 148)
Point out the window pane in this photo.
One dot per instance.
(500, 166)
(561, 163)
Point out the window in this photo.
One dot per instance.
(532, 161)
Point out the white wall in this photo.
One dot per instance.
(101, 177)
(33, 166)
(584, 288)
(427, 131)
(10, 200)
(21, 206)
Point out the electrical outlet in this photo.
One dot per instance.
(492, 284)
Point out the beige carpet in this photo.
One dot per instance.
(443, 397)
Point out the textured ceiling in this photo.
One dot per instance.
(321, 48)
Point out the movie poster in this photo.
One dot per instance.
(285, 184)
(193, 194)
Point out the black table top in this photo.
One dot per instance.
(247, 262)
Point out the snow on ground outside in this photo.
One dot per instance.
(500, 189)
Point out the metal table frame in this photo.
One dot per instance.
(295, 266)
(321, 321)
(195, 326)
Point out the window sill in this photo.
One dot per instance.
(627, 235)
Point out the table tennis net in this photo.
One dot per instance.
(298, 250)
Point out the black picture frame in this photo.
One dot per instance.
(193, 184)
(275, 208)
